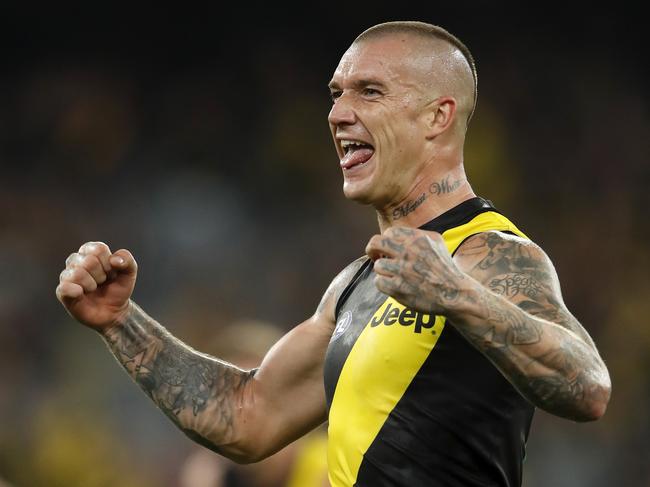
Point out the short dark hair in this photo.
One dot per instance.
(425, 30)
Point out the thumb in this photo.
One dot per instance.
(123, 262)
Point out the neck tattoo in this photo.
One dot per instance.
(444, 186)
(408, 207)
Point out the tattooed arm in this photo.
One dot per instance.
(518, 319)
(502, 293)
(198, 393)
(244, 415)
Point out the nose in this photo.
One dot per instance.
(342, 113)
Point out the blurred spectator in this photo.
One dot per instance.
(4, 483)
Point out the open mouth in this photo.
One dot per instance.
(355, 153)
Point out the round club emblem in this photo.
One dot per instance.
(341, 325)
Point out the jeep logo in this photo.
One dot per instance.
(405, 317)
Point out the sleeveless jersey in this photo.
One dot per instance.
(411, 402)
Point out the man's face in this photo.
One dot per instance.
(377, 119)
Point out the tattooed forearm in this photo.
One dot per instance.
(197, 392)
(550, 366)
(444, 186)
(520, 323)
(408, 207)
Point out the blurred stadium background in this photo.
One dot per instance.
(197, 138)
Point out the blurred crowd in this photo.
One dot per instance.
(221, 178)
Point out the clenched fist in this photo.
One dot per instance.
(415, 267)
(96, 285)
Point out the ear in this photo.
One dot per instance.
(441, 115)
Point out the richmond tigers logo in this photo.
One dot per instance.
(341, 325)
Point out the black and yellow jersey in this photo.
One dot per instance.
(411, 402)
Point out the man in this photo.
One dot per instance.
(433, 350)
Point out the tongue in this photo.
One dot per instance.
(357, 156)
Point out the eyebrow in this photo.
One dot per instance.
(358, 84)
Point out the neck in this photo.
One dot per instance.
(429, 198)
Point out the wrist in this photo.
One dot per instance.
(469, 302)
(121, 317)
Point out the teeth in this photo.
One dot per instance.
(346, 144)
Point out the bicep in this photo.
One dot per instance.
(289, 383)
(288, 390)
(522, 273)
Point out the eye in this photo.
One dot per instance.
(334, 95)
(371, 92)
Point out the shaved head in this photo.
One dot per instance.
(445, 62)
(403, 94)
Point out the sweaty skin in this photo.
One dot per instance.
(407, 99)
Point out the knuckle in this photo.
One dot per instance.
(61, 292)
(71, 259)
(127, 255)
(382, 283)
(102, 247)
(71, 274)
(77, 274)
(85, 247)
(385, 265)
(402, 231)
(93, 248)
(89, 262)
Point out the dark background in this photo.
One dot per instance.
(197, 137)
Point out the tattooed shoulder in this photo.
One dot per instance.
(490, 254)
(520, 271)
